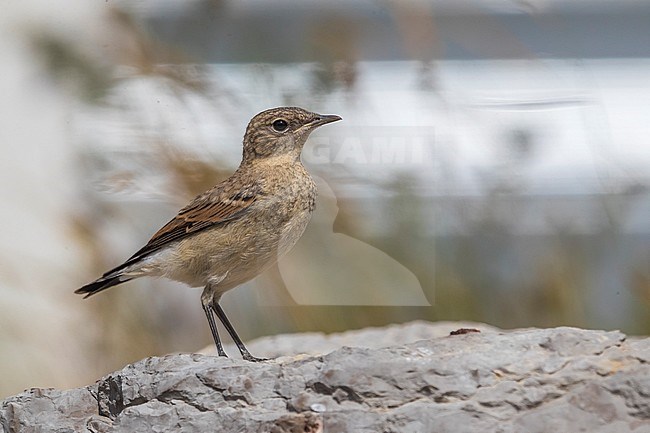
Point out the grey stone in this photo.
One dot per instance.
(531, 380)
(317, 343)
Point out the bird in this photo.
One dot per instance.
(236, 230)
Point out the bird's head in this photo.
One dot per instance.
(281, 131)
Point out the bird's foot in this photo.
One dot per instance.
(250, 358)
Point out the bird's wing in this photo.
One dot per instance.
(216, 206)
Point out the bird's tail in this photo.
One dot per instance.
(103, 283)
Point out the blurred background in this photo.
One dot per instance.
(493, 165)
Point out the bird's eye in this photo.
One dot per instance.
(280, 125)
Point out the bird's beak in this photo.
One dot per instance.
(324, 119)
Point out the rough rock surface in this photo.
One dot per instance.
(533, 380)
(317, 343)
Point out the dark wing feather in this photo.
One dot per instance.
(216, 206)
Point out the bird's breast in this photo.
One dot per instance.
(293, 212)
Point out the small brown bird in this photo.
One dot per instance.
(234, 231)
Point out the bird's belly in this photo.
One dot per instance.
(292, 231)
(230, 255)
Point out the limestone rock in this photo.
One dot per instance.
(532, 380)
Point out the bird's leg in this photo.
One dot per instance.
(207, 307)
(240, 345)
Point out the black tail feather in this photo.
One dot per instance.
(101, 284)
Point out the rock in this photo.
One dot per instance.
(532, 380)
(317, 343)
